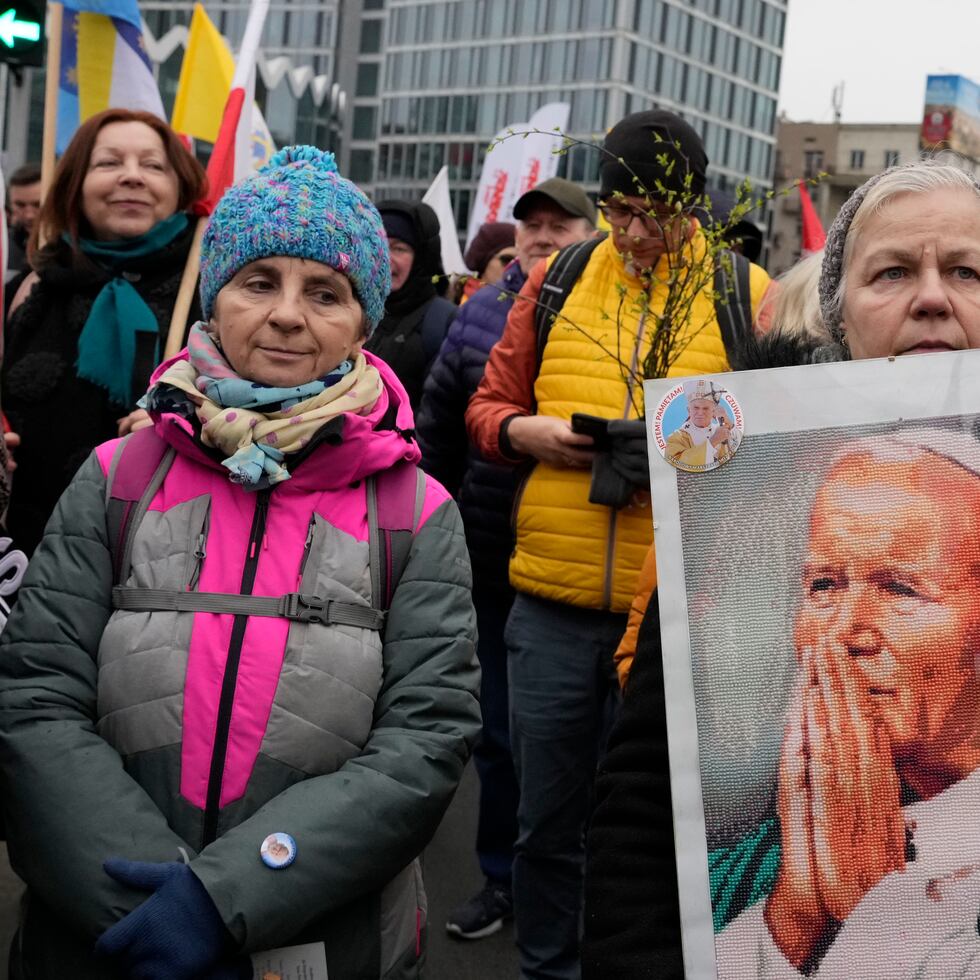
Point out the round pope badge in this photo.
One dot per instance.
(698, 425)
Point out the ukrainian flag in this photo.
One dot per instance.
(103, 64)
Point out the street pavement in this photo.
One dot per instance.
(451, 876)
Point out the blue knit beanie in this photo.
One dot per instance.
(298, 205)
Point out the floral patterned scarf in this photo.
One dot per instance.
(256, 425)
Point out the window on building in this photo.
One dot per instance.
(370, 36)
(374, 4)
(891, 158)
(365, 123)
(367, 79)
(589, 63)
(857, 159)
(565, 16)
(362, 166)
(442, 113)
(466, 18)
(812, 163)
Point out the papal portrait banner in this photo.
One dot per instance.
(817, 534)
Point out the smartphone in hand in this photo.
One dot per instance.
(592, 425)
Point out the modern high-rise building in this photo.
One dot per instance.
(453, 73)
(397, 88)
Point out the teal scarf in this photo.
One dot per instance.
(107, 344)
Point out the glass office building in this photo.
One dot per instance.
(417, 84)
(455, 72)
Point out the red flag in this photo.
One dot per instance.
(221, 166)
(814, 237)
(230, 155)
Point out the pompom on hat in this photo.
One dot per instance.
(298, 205)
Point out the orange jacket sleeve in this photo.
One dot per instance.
(507, 388)
(645, 586)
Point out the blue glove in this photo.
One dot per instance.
(175, 934)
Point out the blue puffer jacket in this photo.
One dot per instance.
(484, 491)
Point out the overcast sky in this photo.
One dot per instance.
(881, 49)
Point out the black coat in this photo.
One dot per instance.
(60, 417)
(483, 490)
(416, 315)
(632, 918)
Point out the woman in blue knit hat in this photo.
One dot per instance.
(238, 690)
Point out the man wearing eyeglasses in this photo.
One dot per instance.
(583, 517)
(550, 216)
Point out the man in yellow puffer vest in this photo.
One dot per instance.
(576, 561)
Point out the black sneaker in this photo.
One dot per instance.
(483, 914)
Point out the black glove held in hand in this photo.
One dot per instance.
(608, 488)
(628, 451)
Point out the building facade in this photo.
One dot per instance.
(415, 84)
(453, 73)
(847, 154)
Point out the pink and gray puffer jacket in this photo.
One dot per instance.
(153, 735)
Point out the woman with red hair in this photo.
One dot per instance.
(88, 326)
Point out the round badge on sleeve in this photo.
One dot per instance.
(698, 425)
(278, 850)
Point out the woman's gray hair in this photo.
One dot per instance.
(919, 177)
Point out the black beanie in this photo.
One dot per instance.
(634, 140)
(399, 225)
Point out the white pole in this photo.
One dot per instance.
(250, 42)
(4, 93)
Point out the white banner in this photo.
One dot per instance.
(539, 159)
(501, 172)
(437, 197)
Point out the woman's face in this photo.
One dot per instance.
(286, 321)
(130, 184)
(913, 278)
(499, 261)
(402, 259)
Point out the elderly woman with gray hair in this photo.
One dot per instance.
(900, 275)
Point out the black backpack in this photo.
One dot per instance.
(733, 306)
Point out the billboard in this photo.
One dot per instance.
(952, 115)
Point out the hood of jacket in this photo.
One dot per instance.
(346, 449)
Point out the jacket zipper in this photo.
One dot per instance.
(230, 679)
(310, 531)
(200, 552)
(519, 496)
(613, 513)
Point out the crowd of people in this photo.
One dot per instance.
(370, 521)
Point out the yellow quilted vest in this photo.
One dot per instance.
(567, 549)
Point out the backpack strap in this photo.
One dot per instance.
(293, 605)
(138, 468)
(394, 502)
(394, 507)
(559, 281)
(733, 299)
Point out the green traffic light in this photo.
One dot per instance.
(13, 30)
